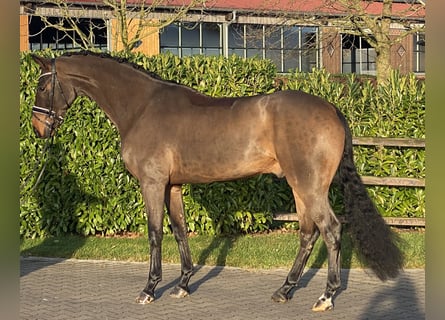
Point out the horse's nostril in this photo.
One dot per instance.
(37, 133)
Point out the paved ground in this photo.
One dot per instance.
(78, 289)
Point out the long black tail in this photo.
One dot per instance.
(375, 241)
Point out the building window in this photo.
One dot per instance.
(289, 47)
(43, 37)
(419, 53)
(186, 39)
(357, 55)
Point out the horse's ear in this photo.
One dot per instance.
(44, 63)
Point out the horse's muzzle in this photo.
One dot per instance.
(41, 125)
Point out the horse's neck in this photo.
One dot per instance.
(112, 93)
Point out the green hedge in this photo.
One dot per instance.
(85, 188)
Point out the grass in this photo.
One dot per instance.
(265, 251)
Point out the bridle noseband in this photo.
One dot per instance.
(56, 119)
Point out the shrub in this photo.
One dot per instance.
(85, 188)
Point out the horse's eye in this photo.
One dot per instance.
(42, 87)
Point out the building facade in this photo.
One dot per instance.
(300, 34)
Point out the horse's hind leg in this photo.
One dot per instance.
(330, 229)
(309, 234)
(175, 207)
(315, 217)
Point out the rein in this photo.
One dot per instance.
(46, 150)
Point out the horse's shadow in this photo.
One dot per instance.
(59, 195)
(402, 294)
(222, 244)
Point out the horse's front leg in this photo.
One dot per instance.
(154, 203)
(175, 207)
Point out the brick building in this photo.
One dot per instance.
(300, 34)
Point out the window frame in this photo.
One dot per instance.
(249, 40)
(183, 29)
(362, 55)
(418, 66)
(60, 40)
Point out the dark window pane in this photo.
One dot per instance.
(308, 60)
(347, 54)
(211, 51)
(273, 37)
(170, 49)
(190, 51)
(190, 34)
(275, 56)
(170, 36)
(238, 52)
(257, 53)
(290, 61)
(291, 36)
(254, 36)
(236, 36)
(211, 35)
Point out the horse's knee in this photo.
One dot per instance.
(179, 235)
(307, 240)
(155, 238)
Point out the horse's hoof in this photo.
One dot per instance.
(145, 298)
(279, 297)
(323, 304)
(179, 292)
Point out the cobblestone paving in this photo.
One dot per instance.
(79, 289)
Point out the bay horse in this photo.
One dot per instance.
(172, 135)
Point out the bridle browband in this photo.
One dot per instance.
(56, 119)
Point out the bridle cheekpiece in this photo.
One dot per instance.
(49, 112)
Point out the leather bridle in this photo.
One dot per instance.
(52, 120)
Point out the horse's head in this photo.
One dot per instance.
(52, 99)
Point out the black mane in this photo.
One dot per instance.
(196, 96)
(117, 59)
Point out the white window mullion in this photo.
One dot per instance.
(201, 50)
(263, 44)
(245, 41)
(282, 56)
(224, 39)
(109, 34)
(300, 45)
(318, 62)
(180, 40)
(360, 55)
